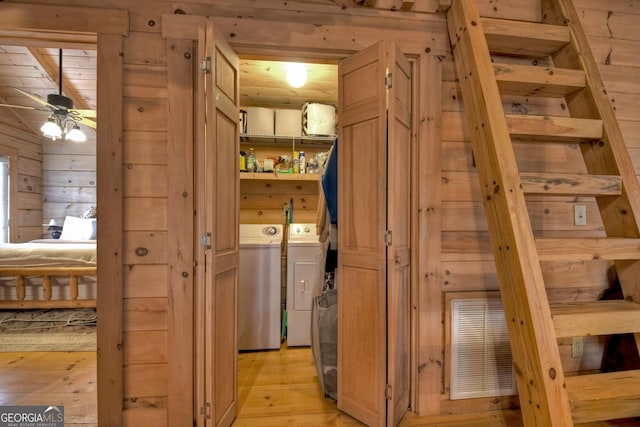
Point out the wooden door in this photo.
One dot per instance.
(373, 237)
(217, 185)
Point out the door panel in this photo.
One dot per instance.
(217, 185)
(373, 278)
(398, 221)
(361, 244)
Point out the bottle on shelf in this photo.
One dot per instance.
(251, 160)
(303, 163)
(243, 161)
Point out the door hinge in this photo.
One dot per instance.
(204, 65)
(387, 80)
(205, 240)
(388, 392)
(205, 410)
(387, 237)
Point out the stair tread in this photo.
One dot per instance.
(606, 317)
(565, 184)
(553, 128)
(524, 38)
(593, 248)
(529, 80)
(606, 396)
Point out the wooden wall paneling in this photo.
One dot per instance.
(480, 275)
(30, 201)
(621, 78)
(110, 257)
(27, 166)
(145, 247)
(608, 51)
(145, 213)
(145, 114)
(69, 162)
(62, 179)
(70, 194)
(625, 105)
(274, 216)
(545, 215)
(148, 380)
(251, 36)
(181, 230)
(146, 76)
(29, 184)
(606, 21)
(542, 156)
(58, 18)
(145, 148)
(145, 314)
(146, 280)
(145, 180)
(525, 10)
(145, 416)
(316, 14)
(428, 225)
(630, 132)
(150, 347)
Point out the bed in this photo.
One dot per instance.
(51, 273)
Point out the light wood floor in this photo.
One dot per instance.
(56, 378)
(275, 388)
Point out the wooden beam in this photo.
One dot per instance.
(50, 68)
(63, 18)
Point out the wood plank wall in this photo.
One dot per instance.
(24, 150)
(466, 260)
(68, 178)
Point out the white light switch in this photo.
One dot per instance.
(580, 214)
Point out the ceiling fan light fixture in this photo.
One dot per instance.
(76, 135)
(51, 129)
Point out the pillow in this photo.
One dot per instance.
(92, 212)
(75, 228)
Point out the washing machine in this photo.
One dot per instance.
(304, 281)
(259, 301)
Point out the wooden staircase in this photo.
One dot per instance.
(547, 396)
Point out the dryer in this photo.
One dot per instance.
(304, 281)
(259, 297)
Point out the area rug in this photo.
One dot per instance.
(48, 330)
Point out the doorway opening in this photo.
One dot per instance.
(54, 184)
(284, 198)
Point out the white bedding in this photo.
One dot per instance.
(49, 253)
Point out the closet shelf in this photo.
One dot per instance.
(271, 176)
(284, 139)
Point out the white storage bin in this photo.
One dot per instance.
(288, 122)
(318, 119)
(260, 121)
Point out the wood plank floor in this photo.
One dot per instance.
(52, 378)
(281, 388)
(275, 388)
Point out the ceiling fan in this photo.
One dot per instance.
(62, 116)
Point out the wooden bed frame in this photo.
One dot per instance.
(72, 273)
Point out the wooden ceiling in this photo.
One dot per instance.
(35, 70)
(263, 83)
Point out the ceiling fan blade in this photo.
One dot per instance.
(24, 107)
(38, 100)
(83, 113)
(87, 122)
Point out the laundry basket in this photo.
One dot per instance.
(324, 340)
